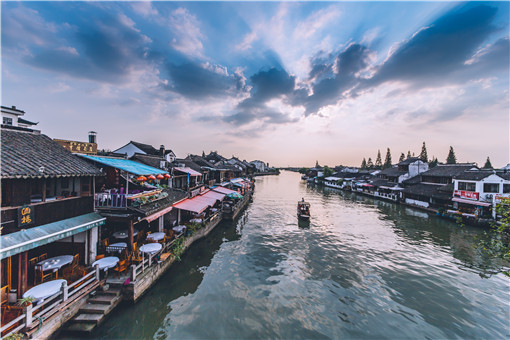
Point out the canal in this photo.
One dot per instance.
(363, 268)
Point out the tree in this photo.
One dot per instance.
(402, 157)
(387, 160)
(409, 154)
(327, 171)
(364, 164)
(370, 165)
(303, 170)
(378, 160)
(316, 164)
(433, 162)
(488, 164)
(203, 154)
(451, 159)
(423, 154)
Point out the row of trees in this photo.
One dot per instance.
(450, 159)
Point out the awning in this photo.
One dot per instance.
(189, 171)
(332, 178)
(27, 239)
(158, 214)
(214, 194)
(223, 190)
(192, 205)
(127, 165)
(210, 201)
(462, 200)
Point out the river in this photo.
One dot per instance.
(363, 268)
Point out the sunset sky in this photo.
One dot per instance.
(285, 82)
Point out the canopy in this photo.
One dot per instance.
(214, 194)
(193, 205)
(223, 190)
(126, 165)
(27, 239)
(189, 171)
(332, 178)
(462, 200)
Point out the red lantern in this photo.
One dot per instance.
(166, 176)
(151, 177)
(160, 176)
(141, 179)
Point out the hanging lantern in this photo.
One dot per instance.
(160, 176)
(166, 176)
(151, 177)
(141, 179)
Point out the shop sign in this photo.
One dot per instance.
(502, 199)
(466, 194)
(25, 216)
(78, 147)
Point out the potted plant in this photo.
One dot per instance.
(26, 301)
(13, 336)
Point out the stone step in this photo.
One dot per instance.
(88, 318)
(102, 299)
(81, 327)
(95, 308)
(111, 292)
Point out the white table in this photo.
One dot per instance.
(106, 262)
(118, 247)
(55, 263)
(196, 220)
(122, 234)
(151, 248)
(179, 229)
(45, 290)
(156, 236)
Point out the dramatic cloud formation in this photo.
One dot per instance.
(266, 71)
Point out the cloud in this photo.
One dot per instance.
(187, 37)
(144, 8)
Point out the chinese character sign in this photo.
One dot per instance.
(25, 216)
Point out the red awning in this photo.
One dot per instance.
(223, 190)
(463, 200)
(192, 205)
(210, 201)
(160, 213)
(213, 194)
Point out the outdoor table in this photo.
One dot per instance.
(151, 248)
(118, 247)
(156, 236)
(55, 263)
(106, 262)
(179, 229)
(196, 220)
(121, 234)
(214, 209)
(45, 290)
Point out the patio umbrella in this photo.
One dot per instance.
(234, 195)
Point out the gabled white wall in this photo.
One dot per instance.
(129, 149)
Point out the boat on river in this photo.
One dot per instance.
(303, 210)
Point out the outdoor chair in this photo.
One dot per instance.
(31, 267)
(4, 294)
(42, 257)
(99, 257)
(121, 266)
(40, 276)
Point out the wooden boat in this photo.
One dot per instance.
(303, 210)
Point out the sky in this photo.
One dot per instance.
(289, 83)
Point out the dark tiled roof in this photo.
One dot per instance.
(147, 148)
(474, 175)
(174, 196)
(392, 172)
(413, 180)
(214, 156)
(27, 122)
(448, 170)
(23, 153)
(409, 160)
(430, 190)
(150, 160)
(187, 163)
(379, 182)
(201, 161)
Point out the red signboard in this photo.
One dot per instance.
(466, 194)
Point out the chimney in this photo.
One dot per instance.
(92, 137)
(14, 107)
(162, 150)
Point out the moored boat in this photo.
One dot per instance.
(303, 210)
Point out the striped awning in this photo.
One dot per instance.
(27, 239)
(466, 201)
(223, 190)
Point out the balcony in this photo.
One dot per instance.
(112, 200)
(47, 212)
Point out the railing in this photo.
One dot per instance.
(107, 200)
(52, 304)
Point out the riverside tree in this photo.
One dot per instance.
(402, 157)
(433, 162)
(364, 164)
(488, 164)
(387, 160)
(370, 164)
(378, 160)
(451, 159)
(423, 154)
(409, 154)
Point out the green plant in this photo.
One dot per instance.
(26, 301)
(13, 336)
(178, 248)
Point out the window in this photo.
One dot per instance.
(491, 187)
(467, 186)
(506, 188)
(7, 121)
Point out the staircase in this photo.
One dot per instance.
(95, 310)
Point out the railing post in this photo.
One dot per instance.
(133, 273)
(65, 291)
(28, 316)
(150, 259)
(98, 273)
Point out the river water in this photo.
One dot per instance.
(363, 268)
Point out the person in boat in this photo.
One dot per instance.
(302, 199)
